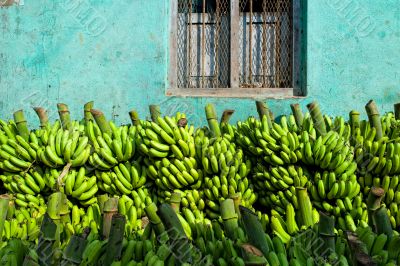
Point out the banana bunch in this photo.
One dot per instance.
(133, 208)
(289, 224)
(226, 173)
(174, 173)
(123, 178)
(167, 137)
(331, 152)
(80, 186)
(278, 144)
(30, 183)
(339, 125)
(378, 157)
(81, 218)
(64, 146)
(93, 251)
(22, 226)
(383, 250)
(191, 199)
(329, 187)
(392, 195)
(111, 149)
(33, 203)
(229, 131)
(275, 185)
(16, 154)
(146, 252)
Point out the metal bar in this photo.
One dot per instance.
(264, 43)
(203, 42)
(216, 40)
(299, 70)
(277, 67)
(189, 45)
(250, 44)
(173, 69)
(234, 42)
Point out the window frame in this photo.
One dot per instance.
(298, 90)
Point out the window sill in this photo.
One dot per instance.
(246, 93)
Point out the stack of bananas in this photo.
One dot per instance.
(383, 249)
(225, 172)
(16, 154)
(276, 185)
(337, 196)
(190, 198)
(123, 178)
(24, 218)
(169, 147)
(331, 152)
(111, 147)
(278, 144)
(133, 207)
(31, 182)
(379, 161)
(58, 146)
(81, 186)
(81, 218)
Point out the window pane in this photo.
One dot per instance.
(203, 43)
(265, 43)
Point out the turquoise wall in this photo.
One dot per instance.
(116, 53)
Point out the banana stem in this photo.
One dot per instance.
(226, 116)
(237, 198)
(154, 112)
(397, 111)
(229, 218)
(101, 200)
(359, 253)
(86, 111)
(317, 118)
(114, 245)
(382, 222)
(64, 115)
(110, 208)
(11, 208)
(254, 230)
(43, 118)
(175, 201)
(298, 114)
(22, 125)
(354, 120)
(263, 110)
(156, 223)
(134, 117)
(4, 203)
(305, 206)
(374, 118)
(326, 232)
(374, 200)
(101, 121)
(212, 120)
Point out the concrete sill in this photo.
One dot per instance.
(246, 93)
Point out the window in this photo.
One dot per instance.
(235, 48)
